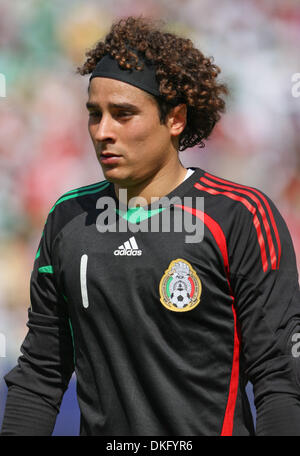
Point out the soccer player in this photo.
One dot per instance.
(164, 328)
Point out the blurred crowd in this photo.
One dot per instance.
(45, 149)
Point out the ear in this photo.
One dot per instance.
(177, 119)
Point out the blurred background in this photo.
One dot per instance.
(45, 149)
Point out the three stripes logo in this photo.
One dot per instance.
(129, 248)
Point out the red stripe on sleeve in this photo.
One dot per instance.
(266, 204)
(217, 232)
(256, 222)
(260, 209)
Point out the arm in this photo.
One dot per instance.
(27, 413)
(265, 284)
(38, 382)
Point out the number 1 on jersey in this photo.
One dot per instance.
(83, 268)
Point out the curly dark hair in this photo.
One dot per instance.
(184, 74)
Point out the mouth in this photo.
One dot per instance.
(108, 158)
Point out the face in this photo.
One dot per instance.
(130, 142)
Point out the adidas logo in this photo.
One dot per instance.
(129, 248)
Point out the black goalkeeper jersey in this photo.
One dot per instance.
(163, 333)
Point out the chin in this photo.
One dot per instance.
(115, 175)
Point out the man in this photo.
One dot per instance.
(163, 329)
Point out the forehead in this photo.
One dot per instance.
(106, 90)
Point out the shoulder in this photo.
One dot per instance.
(244, 213)
(80, 194)
(233, 194)
(73, 203)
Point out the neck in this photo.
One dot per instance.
(158, 185)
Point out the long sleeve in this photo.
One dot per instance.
(27, 414)
(265, 285)
(45, 367)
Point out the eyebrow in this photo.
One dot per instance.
(90, 105)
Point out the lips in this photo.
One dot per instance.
(109, 158)
(108, 154)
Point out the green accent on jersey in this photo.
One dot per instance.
(38, 253)
(138, 214)
(46, 269)
(39, 250)
(87, 187)
(72, 335)
(167, 286)
(74, 195)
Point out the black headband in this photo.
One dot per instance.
(144, 79)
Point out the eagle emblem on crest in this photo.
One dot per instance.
(180, 288)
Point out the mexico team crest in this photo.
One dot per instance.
(180, 288)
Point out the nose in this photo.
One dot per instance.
(104, 131)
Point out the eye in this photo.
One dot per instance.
(94, 114)
(124, 114)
